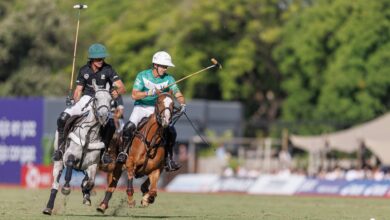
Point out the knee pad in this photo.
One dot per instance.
(61, 121)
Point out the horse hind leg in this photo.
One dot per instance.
(112, 181)
(86, 190)
(68, 175)
(57, 171)
(88, 183)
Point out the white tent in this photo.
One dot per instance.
(374, 134)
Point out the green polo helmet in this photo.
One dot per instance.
(97, 51)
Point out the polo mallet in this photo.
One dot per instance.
(68, 99)
(215, 64)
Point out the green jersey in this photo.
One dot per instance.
(145, 81)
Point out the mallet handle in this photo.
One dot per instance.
(215, 63)
(74, 53)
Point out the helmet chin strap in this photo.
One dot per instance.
(156, 68)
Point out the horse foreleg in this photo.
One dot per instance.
(112, 180)
(145, 186)
(88, 183)
(149, 197)
(130, 190)
(130, 177)
(68, 175)
(57, 170)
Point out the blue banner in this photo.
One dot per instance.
(21, 130)
(345, 188)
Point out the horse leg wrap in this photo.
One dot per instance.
(107, 198)
(53, 194)
(130, 189)
(69, 168)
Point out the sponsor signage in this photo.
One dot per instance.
(193, 183)
(277, 184)
(233, 184)
(345, 188)
(36, 176)
(21, 128)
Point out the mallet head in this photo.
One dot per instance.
(80, 6)
(216, 63)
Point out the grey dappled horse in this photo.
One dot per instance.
(83, 146)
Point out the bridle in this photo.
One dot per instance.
(95, 108)
(158, 111)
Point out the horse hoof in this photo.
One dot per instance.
(47, 211)
(144, 203)
(65, 190)
(87, 202)
(131, 204)
(102, 208)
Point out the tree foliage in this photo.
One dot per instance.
(311, 61)
(334, 60)
(33, 38)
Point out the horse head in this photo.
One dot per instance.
(101, 103)
(164, 109)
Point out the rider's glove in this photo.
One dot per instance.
(69, 101)
(182, 108)
(152, 92)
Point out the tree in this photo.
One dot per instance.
(333, 57)
(32, 38)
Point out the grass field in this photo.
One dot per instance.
(28, 204)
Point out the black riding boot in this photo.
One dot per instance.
(127, 136)
(170, 164)
(61, 121)
(106, 133)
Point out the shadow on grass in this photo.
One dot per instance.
(132, 216)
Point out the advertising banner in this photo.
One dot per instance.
(277, 184)
(21, 128)
(345, 188)
(36, 176)
(193, 183)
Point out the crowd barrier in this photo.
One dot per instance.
(279, 185)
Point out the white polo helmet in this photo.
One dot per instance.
(162, 58)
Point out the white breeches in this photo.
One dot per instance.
(80, 106)
(139, 112)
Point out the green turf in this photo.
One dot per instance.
(28, 204)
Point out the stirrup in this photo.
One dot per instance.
(122, 157)
(57, 155)
(106, 159)
(171, 165)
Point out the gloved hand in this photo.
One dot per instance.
(69, 101)
(152, 92)
(182, 108)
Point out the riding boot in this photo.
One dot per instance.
(127, 136)
(61, 121)
(170, 164)
(106, 133)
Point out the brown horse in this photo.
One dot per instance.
(146, 155)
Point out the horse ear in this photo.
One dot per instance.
(95, 86)
(107, 86)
